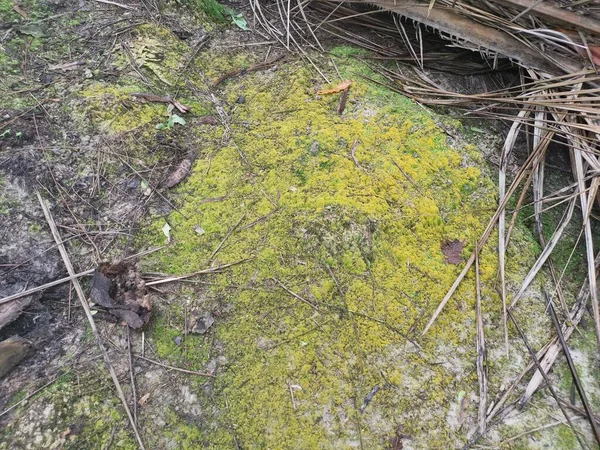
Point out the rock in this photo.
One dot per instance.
(200, 322)
(12, 351)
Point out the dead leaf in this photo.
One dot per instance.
(144, 399)
(68, 66)
(452, 250)
(339, 88)
(181, 172)
(19, 10)
(207, 120)
(120, 289)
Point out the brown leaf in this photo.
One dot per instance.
(120, 289)
(207, 120)
(144, 399)
(452, 250)
(339, 88)
(181, 172)
(19, 10)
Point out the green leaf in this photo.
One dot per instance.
(175, 119)
(161, 126)
(240, 22)
(166, 229)
(236, 18)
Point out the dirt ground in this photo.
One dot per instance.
(275, 344)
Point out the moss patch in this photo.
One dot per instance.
(358, 245)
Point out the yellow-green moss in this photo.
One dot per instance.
(307, 207)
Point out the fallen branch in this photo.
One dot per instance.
(245, 70)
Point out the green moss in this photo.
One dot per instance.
(191, 353)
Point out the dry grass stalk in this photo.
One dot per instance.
(481, 352)
(88, 313)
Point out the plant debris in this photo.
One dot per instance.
(182, 171)
(160, 99)
(120, 289)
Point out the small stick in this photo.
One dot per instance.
(245, 70)
(546, 379)
(573, 369)
(6, 411)
(185, 329)
(70, 298)
(132, 376)
(368, 398)
(296, 296)
(200, 272)
(43, 287)
(481, 374)
(226, 237)
(120, 5)
(162, 99)
(10, 298)
(260, 219)
(292, 395)
(353, 153)
(166, 366)
(88, 313)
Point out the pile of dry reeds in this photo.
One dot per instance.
(555, 46)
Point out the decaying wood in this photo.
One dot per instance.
(13, 309)
(462, 28)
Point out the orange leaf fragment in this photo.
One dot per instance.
(339, 88)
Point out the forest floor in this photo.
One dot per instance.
(319, 234)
